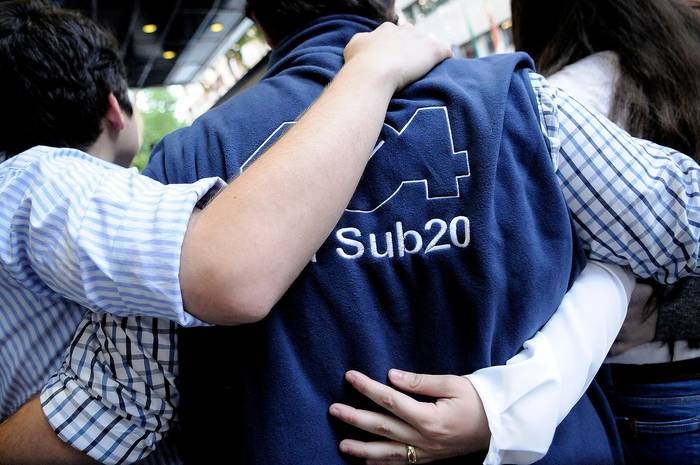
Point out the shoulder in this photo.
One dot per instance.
(43, 158)
(57, 173)
(501, 65)
(591, 80)
(224, 137)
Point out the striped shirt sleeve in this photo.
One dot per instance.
(634, 203)
(102, 236)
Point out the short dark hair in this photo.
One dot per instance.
(281, 18)
(57, 69)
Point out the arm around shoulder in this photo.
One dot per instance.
(247, 247)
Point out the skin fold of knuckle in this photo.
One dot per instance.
(387, 401)
(348, 417)
(434, 450)
(415, 381)
(383, 429)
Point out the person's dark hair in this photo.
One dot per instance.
(281, 18)
(658, 45)
(57, 69)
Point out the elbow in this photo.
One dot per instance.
(229, 292)
(227, 301)
(243, 307)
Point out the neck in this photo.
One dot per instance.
(106, 148)
(103, 148)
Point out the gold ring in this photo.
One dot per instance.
(411, 455)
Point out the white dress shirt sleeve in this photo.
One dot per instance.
(526, 399)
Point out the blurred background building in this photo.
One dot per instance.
(185, 56)
(474, 28)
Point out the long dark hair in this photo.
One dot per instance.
(658, 44)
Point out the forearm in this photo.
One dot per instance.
(26, 439)
(267, 235)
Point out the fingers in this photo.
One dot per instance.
(376, 423)
(439, 386)
(359, 37)
(641, 295)
(620, 347)
(400, 53)
(617, 348)
(414, 412)
(379, 452)
(444, 51)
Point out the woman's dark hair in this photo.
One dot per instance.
(281, 18)
(658, 45)
(57, 69)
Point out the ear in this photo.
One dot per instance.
(114, 116)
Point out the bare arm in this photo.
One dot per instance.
(243, 251)
(27, 439)
(246, 248)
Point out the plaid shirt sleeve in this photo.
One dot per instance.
(634, 203)
(114, 397)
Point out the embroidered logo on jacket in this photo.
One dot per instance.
(421, 153)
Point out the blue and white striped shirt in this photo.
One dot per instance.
(634, 203)
(77, 233)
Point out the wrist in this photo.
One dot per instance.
(479, 430)
(382, 79)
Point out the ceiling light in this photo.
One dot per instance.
(149, 28)
(169, 54)
(216, 27)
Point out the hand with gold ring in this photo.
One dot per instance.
(417, 432)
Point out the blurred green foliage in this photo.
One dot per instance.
(158, 115)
